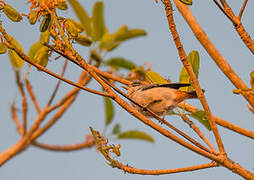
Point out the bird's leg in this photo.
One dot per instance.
(163, 117)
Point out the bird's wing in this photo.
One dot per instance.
(168, 85)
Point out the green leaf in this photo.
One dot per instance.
(193, 58)
(111, 41)
(184, 77)
(252, 79)
(116, 129)
(186, 2)
(82, 16)
(3, 48)
(113, 46)
(107, 42)
(44, 37)
(201, 117)
(135, 134)
(122, 30)
(109, 110)
(41, 56)
(73, 27)
(98, 21)
(16, 61)
(83, 40)
(155, 78)
(124, 33)
(119, 62)
(11, 13)
(33, 49)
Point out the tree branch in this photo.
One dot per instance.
(24, 103)
(15, 118)
(249, 43)
(186, 63)
(18, 147)
(97, 70)
(88, 143)
(242, 9)
(132, 170)
(58, 83)
(221, 122)
(32, 96)
(69, 99)
(212, 51)
(197, 131)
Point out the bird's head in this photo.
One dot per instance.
(134, 86)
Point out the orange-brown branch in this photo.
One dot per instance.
(32, 96)
(212, 50)
(65, 148)
(186, 63)
(58, 83)
(24, 102)
(226, 9)
(18, 147)
(132, 170)
(221, 122)
(199, 133)
(15, 118)
(97, 70)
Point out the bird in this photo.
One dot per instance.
(159, 98)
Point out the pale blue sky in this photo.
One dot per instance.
(159, 50)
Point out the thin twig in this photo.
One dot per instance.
(223, 2)
(78, 59)
(18, 147)
(104, 148)
(58, 83)
(15, 118)
(24, 102)
(27, 59)
(63, 100)
(186, 63)
(32, 96)
(97, 70)
(84, 79)
(196, 129)
(223, 10)
(251, 109)
(88, 143)
(242, 10)
(132, 170)
(212, 50)
(236, 21)
(220, 121)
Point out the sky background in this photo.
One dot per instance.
(158, 49)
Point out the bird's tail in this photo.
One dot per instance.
(183, 95)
